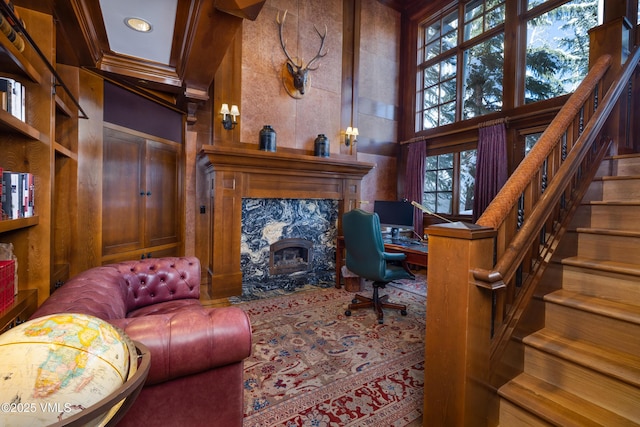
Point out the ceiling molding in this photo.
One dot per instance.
(203, 32)
(139, 69)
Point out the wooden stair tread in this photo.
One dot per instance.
(612, 202)
(614, 363)
(616, 177)
(555, 405)
(607, 232)
(613, 309)
(603, 265)
(622, 156)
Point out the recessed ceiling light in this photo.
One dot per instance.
(138, 24)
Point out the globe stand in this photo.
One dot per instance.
(128, 393)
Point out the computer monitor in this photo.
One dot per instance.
(395, 214)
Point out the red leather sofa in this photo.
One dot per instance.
(197, 353)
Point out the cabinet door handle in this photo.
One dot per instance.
(142, 193)
(148, 193)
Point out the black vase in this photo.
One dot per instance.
(267, 138)
(321, 146)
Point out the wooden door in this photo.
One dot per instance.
(123, 192)
(162, 186)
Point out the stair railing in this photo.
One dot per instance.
(532, 210)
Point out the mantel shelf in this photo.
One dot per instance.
(282, 162)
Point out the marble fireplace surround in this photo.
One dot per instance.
(236, 173)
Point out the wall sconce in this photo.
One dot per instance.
(229, 120)
(350, 136)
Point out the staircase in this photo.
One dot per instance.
(583, 367)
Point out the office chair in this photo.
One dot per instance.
(366, 258)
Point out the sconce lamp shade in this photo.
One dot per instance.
(229, 122)
(351, 132)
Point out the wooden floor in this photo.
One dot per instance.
(206, 301)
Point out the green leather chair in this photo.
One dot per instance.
(366, 258)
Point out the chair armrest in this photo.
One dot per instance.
(190, 341)
(393, 256)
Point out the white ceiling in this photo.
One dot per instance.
(154, 45)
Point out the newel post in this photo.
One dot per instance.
(458, 326)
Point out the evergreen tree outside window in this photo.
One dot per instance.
(557, 54)
(438, 183)
(467, 181)
(483, 68)
(444, 53)
(449, 181)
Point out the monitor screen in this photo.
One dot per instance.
(394, 214)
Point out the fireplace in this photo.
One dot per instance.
(238, 174)
(290, 256)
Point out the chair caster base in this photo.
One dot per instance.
(347, 313)
(403, 312)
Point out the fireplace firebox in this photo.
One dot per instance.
(292, 255)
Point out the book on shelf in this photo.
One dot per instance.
(12, 95)
(18, 190)
(11, 29)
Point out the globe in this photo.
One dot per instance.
(56, 366)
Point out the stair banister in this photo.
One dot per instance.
(568, 152)
(498, 209)
(494, 216)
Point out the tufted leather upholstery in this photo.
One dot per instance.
(156, 302)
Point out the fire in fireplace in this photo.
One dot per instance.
(290, 255)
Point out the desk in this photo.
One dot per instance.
(417, 254)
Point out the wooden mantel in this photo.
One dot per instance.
(236, 173)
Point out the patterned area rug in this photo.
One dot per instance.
(417, 286)
(313, 366)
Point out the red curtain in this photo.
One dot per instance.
(414, 180)
(491, 169)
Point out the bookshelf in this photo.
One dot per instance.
(46, 145)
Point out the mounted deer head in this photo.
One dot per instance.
(296, 76)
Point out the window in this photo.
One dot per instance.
(557, 55)
(449, 181)
(437, 91)
(461, 55)
(483, 65)
(476, 54)
(530, 140)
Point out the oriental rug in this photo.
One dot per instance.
(313, 366)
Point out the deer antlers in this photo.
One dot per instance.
(299, 74)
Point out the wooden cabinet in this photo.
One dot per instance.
(141, 197)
